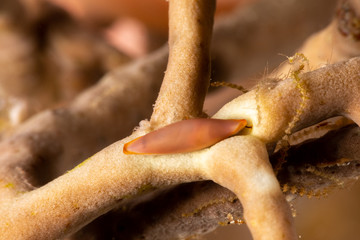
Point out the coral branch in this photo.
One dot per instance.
(55, 140)
(248, 173)
(187, 76)
(317, 166)
(332, 91)
(90, 190)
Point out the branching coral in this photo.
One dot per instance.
(113, 175)
(110, 177)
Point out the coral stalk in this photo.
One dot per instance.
(187, 76)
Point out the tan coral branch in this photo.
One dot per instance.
(332, 91)
(187, 76)
(58, 139)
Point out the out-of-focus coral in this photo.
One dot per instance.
(47, 59)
